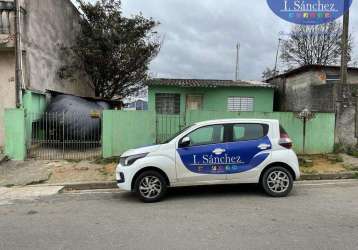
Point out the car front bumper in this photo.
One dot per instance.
(123, 177)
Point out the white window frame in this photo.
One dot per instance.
(240, 104)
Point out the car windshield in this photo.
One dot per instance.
(178, 133)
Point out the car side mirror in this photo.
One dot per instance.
(185, 142)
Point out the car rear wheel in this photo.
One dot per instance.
(150, 186)
(277, 181)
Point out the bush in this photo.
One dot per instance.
(338, 148)
(352, 151)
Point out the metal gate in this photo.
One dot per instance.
(168, 125)
(70, 136)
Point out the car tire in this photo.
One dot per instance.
(277, 181)
(150, 186)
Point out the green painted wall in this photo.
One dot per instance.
(122, 130)
(15, 135)
(34, 102)
(215, 99)
(34, 105)
(292, 125)
(320, 134)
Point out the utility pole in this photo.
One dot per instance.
(18, 54)
(276, 60)
(237, 71)
(345, 37)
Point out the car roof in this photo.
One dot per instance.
(223, 121)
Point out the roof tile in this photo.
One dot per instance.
(207, 83)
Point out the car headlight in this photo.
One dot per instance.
(129, 160)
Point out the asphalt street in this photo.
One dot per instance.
(315, 216)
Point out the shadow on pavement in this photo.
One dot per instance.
(202, 192)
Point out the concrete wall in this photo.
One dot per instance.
(7, 87)
(310, 90)
(50, 25)
(296, 91)
(347, 116)
(47, 27)
(215, 99)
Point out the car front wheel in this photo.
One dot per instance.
(150, 186)
(277, 181)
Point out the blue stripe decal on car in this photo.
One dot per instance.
(225, 158)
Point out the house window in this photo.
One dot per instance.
(207, 135)
(194, 102)
(240, 104)
(332, 78)
(167, 103)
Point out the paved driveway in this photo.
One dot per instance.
(315, 216)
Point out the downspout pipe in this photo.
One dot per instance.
(18, 55)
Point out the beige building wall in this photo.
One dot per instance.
(49, 26)
(7, 86)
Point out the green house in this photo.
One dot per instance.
(176, 96)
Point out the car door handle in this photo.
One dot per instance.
(219, 151)
(263, 146)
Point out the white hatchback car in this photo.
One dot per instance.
(213, 152)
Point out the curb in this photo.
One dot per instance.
(113, 184)
(3, 158)
(89, 186)
(340, 176)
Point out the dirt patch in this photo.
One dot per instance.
(322, 164)
(17, 173)
(84, 171)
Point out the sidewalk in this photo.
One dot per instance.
(8, 195)
(54, 172)
(101, 175)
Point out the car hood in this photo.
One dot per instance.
(141, 150)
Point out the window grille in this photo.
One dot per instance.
(167, 103)
(240, 104)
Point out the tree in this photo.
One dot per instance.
(269, 73)
(114, 51)
(317, 44)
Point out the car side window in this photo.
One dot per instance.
(207, 135)
(249, 131)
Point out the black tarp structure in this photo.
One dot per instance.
(70, 117)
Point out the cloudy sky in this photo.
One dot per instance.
(200, 36)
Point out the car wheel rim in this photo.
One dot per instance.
(150, 187)
(278, 181)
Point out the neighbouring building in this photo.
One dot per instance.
(316, 88)
(176, 96)
(47, 26)
(136, 104)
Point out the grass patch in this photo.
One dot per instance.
(339, 159)
(309, 171)
(74, 161)
(105, 161)
(338, 148)
(103, 172)
(352, 151)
